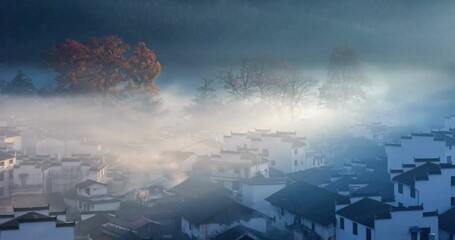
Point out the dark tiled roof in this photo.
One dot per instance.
(315, 176)
(176, 155)
(341, 184)
(29, 217)
(265, 181)
(385, 190)
(208, 208)
(29, 202)
(365, 211)
(5, 156)
(447, 221)
(419, 173)
(87, 183)
(239, 232)
(90, 225)
(194, 187)
(273, 172)
(427, 159)
(308, 201)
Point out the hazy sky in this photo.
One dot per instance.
(406, 46)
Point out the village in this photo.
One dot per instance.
(260, 184)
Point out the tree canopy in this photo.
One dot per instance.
(102, 65)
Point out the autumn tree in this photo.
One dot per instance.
(71, 61)
(102, 65)
(108, 63)
(21, 84)
(346, 79)
(143, 69)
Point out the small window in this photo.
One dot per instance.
(2, 176)
(413, 192)
(368, 236)
(354, 228)
(272, 162)
(221, 169)
(2, 163)
(452, 201)
(341, 223)
(11, 161)
(295, 162)
(452, 181)
(236, 170)
(87, 190)
(313, 227)
(190, 225)
(282, 211)
(449, 159)
(400, 188)
(295, 151)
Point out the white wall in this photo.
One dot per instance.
(50, 146)
(253, 195)
(416, 147)
(435, 193)
(396, 228)
(38, 230)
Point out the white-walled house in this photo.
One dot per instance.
(213, 213)
(50, 146)
(91, 196)
(420, 145)
(63, 175)
(309, 208)
(34, 225)
(449, 123)
(369, 219)
(230, 167)
(10, 138)
(27, 178)
(49, 204)
(286, 151)
(253, 192)
(7, 163)
(66, 147)
(430, 184)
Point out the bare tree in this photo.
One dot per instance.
(294, 91)
(239, 83)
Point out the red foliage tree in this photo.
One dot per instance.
(71, 61)
(143, 69)
(100, 65)
(108, 63)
